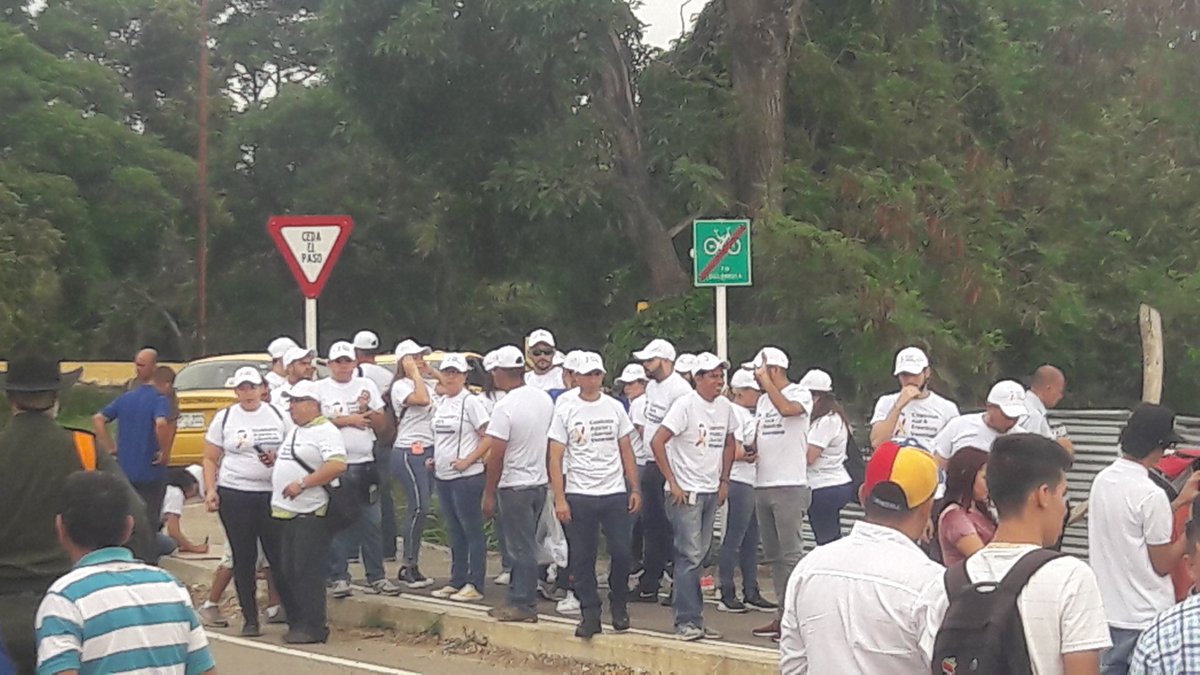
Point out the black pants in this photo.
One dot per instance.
(247, 520)
(152, 492)
(305, 565)
(589, 515)
(659, 539)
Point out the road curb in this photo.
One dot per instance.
(645, 650)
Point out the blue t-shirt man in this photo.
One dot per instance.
(138, 412)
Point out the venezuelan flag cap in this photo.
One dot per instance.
(901, 475)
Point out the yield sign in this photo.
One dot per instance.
(310, 245)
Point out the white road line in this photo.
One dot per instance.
(311, 656)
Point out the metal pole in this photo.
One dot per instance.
(202, 161)
(310, 323)
(722, 324)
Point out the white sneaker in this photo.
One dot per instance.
(503, 579)
(341, 589)
(467, 594)
(568, 606)
(444, 592)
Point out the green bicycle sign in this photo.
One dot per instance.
(721, 253)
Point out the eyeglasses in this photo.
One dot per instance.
(542, 352)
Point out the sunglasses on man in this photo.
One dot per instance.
(542, 352)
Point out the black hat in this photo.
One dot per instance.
(37, 373)
(1150, 427)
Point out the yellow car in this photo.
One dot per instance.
(203, 388)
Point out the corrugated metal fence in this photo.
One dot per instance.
(1094, 433)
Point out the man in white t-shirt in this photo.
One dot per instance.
(355, 407)
(545, 375)
(1046, 389)
(297, 367)
(915, 411)
(595, 489)
(277, 376)
(1005, 405)
(1130, 523)
(516, 476)
(665, 386)
(1060, 606)
(366, 346)
(781, 491)
(694, 447)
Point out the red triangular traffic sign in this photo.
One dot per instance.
(311, 246)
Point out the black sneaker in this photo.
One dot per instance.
(730, 603)
(668, 599)
(412, 577)
(620, 618)
(251, 630)
(761, 604)
(645, 596)
(589, 626)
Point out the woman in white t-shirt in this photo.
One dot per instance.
(240, 449)
(828, 434)
(459, 421)
(412, 453)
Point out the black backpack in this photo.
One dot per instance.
(982, 633)
(854, 463)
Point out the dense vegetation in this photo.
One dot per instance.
(1003, 181)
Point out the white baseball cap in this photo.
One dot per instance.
(1009, 396)
(341, 350)
(366, 341)
(306, 389)
(685, 364)
(456, 362)
(489, 361)
(588, 363)
(816, 380)
(911, 360)
(507, 356)
(707, 361)
(197, 472)
(572, 360)
(559, 358)
(409, 347)
(279, 347)
(744, 379)
(633, 372)
(657, 349)
(769, 356)
(294, 354)
(246, 374)
(540, 336)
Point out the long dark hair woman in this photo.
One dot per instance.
(965, 524)
(828, 436)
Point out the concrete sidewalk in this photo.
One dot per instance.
(650, 645)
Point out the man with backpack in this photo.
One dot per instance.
(870, 601)
(1047, 615)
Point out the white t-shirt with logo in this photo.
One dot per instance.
(641, 445)
(551, 379)
(1061, 608)
(921, 419)
(659, 398)
(522, 419)
(236, 431)
(172, 503)
(456, 424)
(696, 451)
(317, 443)
(1128, 513)
(382, 377)
(341, 398)
(274, 381)
(743, 472)
(414, 422)
(782, 442)
(967, 431)
(591, 431)
(829, 433)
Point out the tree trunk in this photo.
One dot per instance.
(759, 38)
(614, 100)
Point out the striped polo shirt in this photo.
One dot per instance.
(113, 614)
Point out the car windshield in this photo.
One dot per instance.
(214, 374)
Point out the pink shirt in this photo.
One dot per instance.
(956, 523)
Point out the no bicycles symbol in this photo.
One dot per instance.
(721, 253)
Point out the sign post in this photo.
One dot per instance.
(310, 245)
(721, 258)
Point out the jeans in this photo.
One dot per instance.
(519, 510)
(636, 547)
(1115, 660)
(656, 528)
(417, 481)
(590, 514)
(826, 511)
(305, 549)
(363, 535)
(780, 513)
(247, 519)
(166, 545)
(739, 547)
(152, 493)
(693, 524)
(387, 504)
(462, 509)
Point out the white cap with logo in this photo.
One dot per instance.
(455, 362)
(744, 379)
(341, 350)
(572, 360)
(540, 336)
(410, 347)
(197, 472)
(1009, 396)
(559, 358)
(768, 356)
(366, 341)
(657, 349)
(304, 389)
(246, 375)
(816, 380)
(279, 347)
(911, 361)
(295, 354)
(589, 363)
(507, 356)
(685, 364)
(633, 372)
(707, 361)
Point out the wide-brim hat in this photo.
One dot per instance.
(37, 373)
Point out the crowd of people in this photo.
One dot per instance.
(955, 564)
